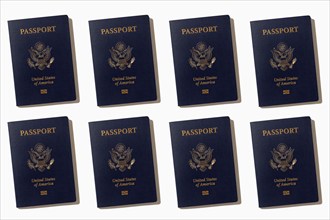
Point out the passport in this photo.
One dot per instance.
(42, 161)
(203, 162)
(203, 60)
(284, 161)
(123, 60)
(284, 61)
(123, 162)
(42, 60)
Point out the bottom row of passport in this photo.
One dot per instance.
(204, 155)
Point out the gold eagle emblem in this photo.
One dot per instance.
(121, 56)
(40, 56)
(282, 57)
(201, 158)
(121, 158)
(201, 56)
(40, 158)
(282, 158)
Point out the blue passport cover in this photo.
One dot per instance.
(42, 161)
(284, 61)
(123, 162)
(203, 162)
(203, 60)
(284, 161)
(123, 60)
(42, 60)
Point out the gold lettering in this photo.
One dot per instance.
(124, 193)
(285, 30)
(124, 91)
(37, 131)
(286, 92)
(199, 131)
(279, 180)
(118, 30)
(43, 91)
(37, 30)
(205, 91)
(205, 193)
(118, 131)
(44, 193)
(286, 192)
(280, 131)
(198, 30)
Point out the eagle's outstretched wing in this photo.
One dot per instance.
(33, 53)
(208, 153)
(114, 54)
(111, 165)
(128, 154)
(114, 155)
(192, 63)
(289, 52)
(276, 55)
(47, 153)
(208, 52)
(276, 156)
(273, 164)
(289, 154)
(192, 165)
(33, 155)
(195, 54)
(128, 53)
(47, 53)
(195, 155)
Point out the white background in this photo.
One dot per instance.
(167, 110)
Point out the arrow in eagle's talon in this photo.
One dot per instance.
(212, 62)
(131, 164)
(213, 162)
(131, 62)
(293, 163)
(50, 163)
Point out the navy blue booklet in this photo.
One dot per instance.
(284, 161)
(123, 60)
(123, 162)
(284, 61)
(203, 162)
(42, 161)
(42, 60)
(203, 60)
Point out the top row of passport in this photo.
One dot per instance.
(125, 66)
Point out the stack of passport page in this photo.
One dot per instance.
(123, 60)
(204, 60)
(284, 61)
(123, 162)
(42, 60)
(42, 162)
(204, 162)
(285, 162)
